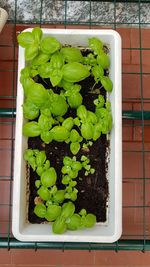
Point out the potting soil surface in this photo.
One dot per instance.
(92, 189)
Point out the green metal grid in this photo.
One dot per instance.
(133, 241)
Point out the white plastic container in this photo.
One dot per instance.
(108, 232)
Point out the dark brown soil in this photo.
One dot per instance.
(92, 189)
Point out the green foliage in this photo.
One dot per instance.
(53, 211)
(72, 54)
(46, 111)
(60, 133)
(75, 72)
(40, 210)
(31, 129)
(49, 177)
(50, 45)
(96, 45)
(30, 110)
(58, 105)
(107, 83)
(38, 95)
(103, 60)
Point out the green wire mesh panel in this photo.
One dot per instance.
(131, 19)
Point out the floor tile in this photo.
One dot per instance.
(135, 38)
(125, 36)
(7, 35)
(146, 84)
(127, 133)
(5, 256)
(52, 257)
(147, 164)
(4, 192)
(133, 192)
(132, 165)
(122, 258)
(145, 37)
(131, 86)
(126, 56)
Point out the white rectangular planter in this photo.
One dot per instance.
(111, 231)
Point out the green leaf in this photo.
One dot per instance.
(73, 174)
(55, 77)
(66, 85)
(103, 60)
(53, 190)
(77, 121)
(75, 72)
(99, 102)
(97, 131)
(87, 130)
(27, 84)
(39, 170)
(37, 34)
(46, 137)
(72, 54)
(38, 95)
(31, 52)
(27, 154)
(33, 72)
(74, 148)
(46, 164)
(83, 212)
(37, 183)
(97, 72)
(73, 195)
(49, 45)
(49, 177)
(96, 45)
(82, 113)
(59, 196)
(91, 117)
(40, 210)
(90, 60)
(44, 193)
(57, 60)
(53, 211)
(76, 165)
(74, 222)
(75, 100)
(59, 226)
(66, 169)
(60, 133)
(107, 83)
(66, 179)
(58, 105)
(92, 170)
(90, 220)
(68, 123)
(74, 136)
(68, 210)
(45, 70)
(31, 129)
(32, 163)
(25, 73)
(26, 39)
(40, 59)
(40, 158)
(44, 123)
(30, 111)
(46, 112)
(67, 161)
